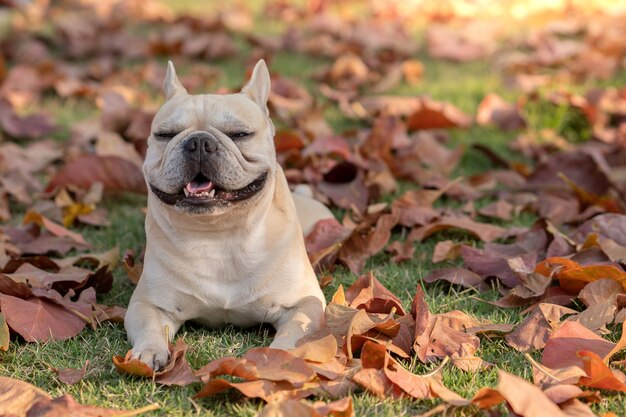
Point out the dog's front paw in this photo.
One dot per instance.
(155, 358)
(282, 344)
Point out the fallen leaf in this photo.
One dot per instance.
(546, 377)
(524, 398)
(401, 251)
(288, 408)
(500, 210)
(571, 337)
(600, 292)
(446, 250)
(177, 370)
(366, 241)
(483, 231)
(4, 334)
(40, 320)
(32, 126)
(260, 364)
(324, 242)
(113, 172)
(52, 227)
(494, 110)
(269, 391)
(66, 405)
(459, 276)
(437, 115)
(71, 376)
(533, 333)
(18, 396)
(368, 293)
(599, 375)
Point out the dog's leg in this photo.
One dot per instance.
(306, 317)
(149, 330)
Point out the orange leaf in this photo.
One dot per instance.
(554, 265)
(576, 279)
(125, 364)
(599, 375)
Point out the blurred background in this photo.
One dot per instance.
(83, 77)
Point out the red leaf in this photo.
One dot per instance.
(437, 115)
(368, 293)
(39, 320)
(572, 337)
(113, 172)
(71, 376)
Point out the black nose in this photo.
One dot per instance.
(200, 144)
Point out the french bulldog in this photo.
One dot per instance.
(224, 240)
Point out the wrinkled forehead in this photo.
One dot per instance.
(234, 112)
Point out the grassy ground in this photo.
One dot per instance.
(462, 84)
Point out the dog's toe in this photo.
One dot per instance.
(155, 359)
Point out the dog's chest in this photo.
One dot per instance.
(228, 284)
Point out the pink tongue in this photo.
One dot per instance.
(195, 187)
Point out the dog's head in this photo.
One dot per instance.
(208, 153)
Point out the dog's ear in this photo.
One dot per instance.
(172, 85)
(258, 88)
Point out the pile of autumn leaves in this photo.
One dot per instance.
(367, 329)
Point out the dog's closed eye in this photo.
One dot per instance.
(164, 135)
(239, 135)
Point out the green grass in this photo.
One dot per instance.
(462, 84)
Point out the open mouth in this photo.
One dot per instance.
(202, 191)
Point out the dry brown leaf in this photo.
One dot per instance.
(177, 370)
(526, 399)
(569, 339)
(114, 172)
(40, 320)
(71, 376)
(483, 231)
(289, 408)
(368, 293)
(261, 364)
(534, 332)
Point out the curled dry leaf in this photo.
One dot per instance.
(177, 370)
(288, 408)
(545, 377)
(260, 363)
(494, 110)
(71, 376)
(437, 115)
(369, 294)
(459, 276)
(483, 231)
(269, 391)
(383, 376)
(21, 399)
(526, 399)
(324, 242)
(52, 227)
(446, 250)
(573, 277)
(535, 330)
(18, 396)
(133, 266)
(599, 375)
